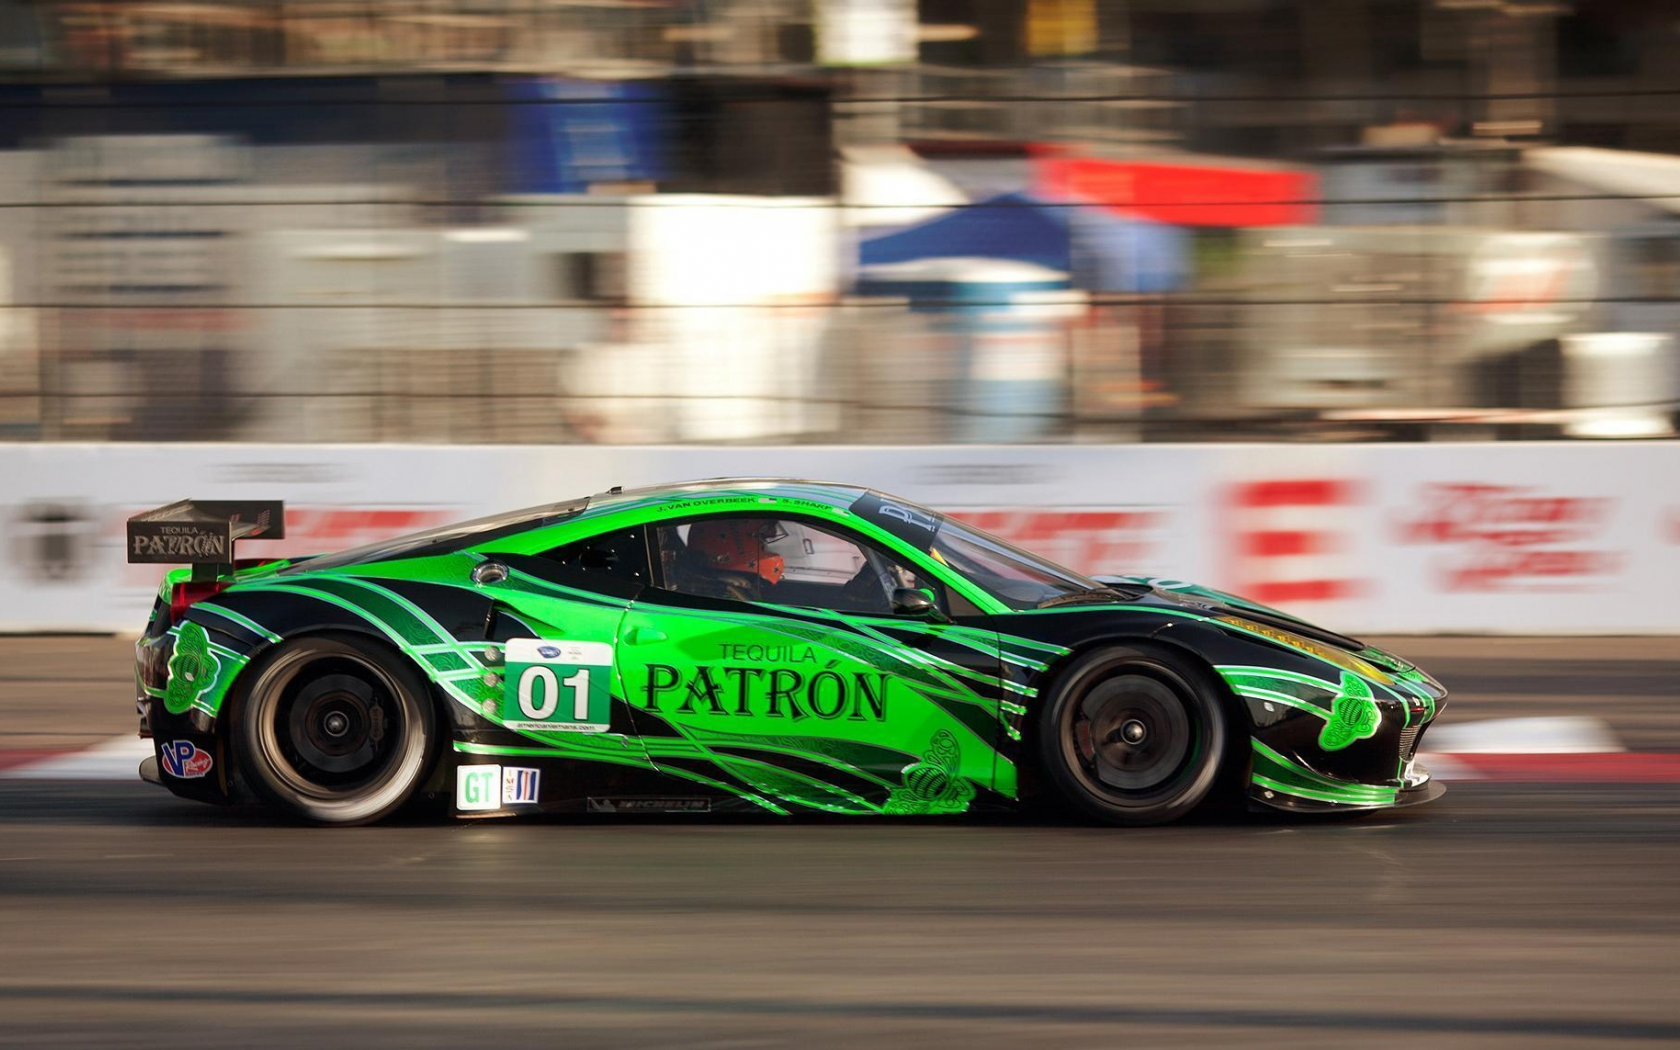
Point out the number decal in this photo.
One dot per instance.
(579, 684)
(541, 674)
(532, 708)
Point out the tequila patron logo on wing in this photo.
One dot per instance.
(797, 687)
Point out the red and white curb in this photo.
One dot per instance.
(118, 758)
(1577, 750)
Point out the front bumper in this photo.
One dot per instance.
(1290, 771)
(1267, 799)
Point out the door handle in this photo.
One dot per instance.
(643, 636)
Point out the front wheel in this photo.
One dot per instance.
(335, 731)
(1132, 735)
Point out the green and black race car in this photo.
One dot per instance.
(760, 644)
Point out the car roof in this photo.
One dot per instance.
(679, 494)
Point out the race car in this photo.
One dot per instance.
(773, 645)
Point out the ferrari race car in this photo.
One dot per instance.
(771, 645)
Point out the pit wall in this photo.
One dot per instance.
(1521, 538)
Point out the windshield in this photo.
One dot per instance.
(446, 539)
(1018, 579)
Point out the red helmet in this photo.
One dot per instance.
(738, 544)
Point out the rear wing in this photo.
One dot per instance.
(201, 533)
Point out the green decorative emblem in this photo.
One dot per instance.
(1353, 715)
(932, 785)
(192, 668)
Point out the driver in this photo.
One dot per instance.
(734, 557)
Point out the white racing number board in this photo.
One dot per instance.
(557, 686)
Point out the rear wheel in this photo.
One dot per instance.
(1132, 735)
(335, 732)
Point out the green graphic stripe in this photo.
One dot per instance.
(1260, 683)
(777, 781)
(360, 609)
(405, 623)
(1226, 624)
(704, 742)
(524, 582)
(1277, 772)
(1285, 699)
(752, 771)
(426, 619)
(1267, 672)
(448, 662)
(364, 610)
(233, 617)
(1340, 798)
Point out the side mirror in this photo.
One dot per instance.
(908, 601)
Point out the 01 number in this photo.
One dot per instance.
(542, 708)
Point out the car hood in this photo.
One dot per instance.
(1208, 601)
(1202, 599)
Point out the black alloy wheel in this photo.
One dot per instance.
(334, 731)
(1133, 735)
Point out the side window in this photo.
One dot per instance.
(783, 561)
(620, 557)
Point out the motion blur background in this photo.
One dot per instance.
(1363, 308)
(837, 221)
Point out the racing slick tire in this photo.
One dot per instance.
(333, 731)
(1133, 735)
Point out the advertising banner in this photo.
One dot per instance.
(1532, 538)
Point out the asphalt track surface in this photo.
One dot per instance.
(1508, 914)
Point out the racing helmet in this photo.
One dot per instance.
(739, 545)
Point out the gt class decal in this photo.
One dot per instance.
(490, 787)
(478, 788)
(557, 687)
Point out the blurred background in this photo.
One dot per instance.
(1337, 304)
(838, 221)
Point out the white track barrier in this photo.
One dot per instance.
(1517, 538)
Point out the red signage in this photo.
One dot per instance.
(1510, 537)
(1107, 541)
(1184, 194)
(1288, 539)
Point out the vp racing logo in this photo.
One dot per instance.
(184, 760)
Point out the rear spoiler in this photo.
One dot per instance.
(201, 533)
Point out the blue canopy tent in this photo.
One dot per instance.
(1100, 251)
